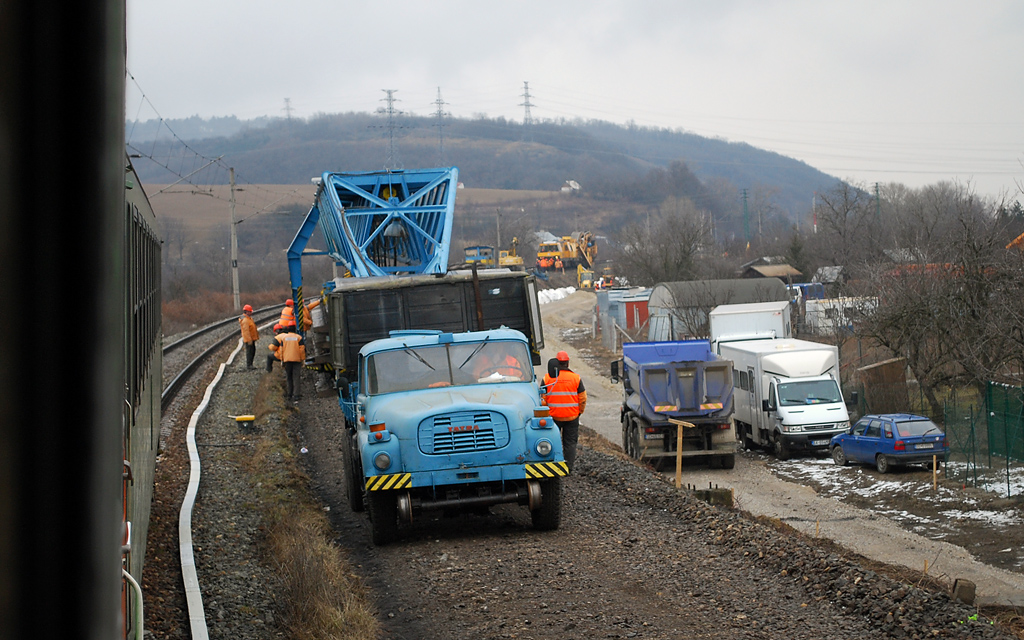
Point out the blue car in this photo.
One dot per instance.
(889, 439)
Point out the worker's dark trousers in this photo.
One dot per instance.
(570, 434)
(250, 354)
(291, 376)
(271, 359)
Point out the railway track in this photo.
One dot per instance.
(184, 355)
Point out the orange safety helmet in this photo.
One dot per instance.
(289, 303)
(277, 327)
(562, 356)
(247, 308)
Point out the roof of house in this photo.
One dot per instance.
(773, 271)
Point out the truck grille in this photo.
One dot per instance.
(820, 427)
(463, 433)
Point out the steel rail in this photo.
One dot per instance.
(216, 325)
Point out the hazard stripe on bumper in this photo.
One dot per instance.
(544, 470)
(390, 481)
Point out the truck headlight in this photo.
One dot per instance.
(792, 428)
(843, 425)
(543, 447)
(382, 460)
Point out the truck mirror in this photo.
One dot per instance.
(764, 406)
(615, 372)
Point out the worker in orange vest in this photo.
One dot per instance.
(566, 399)
(288, 314)
(250, 334)
(558, 265)
(290, 349)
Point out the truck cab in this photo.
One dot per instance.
(804, 413)
(447, 421)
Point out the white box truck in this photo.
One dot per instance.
(750, 321)
(787, 394)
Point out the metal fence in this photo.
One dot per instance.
(986, 440)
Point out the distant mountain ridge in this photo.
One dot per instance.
(490, 153)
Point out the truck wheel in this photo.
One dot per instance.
(781, 450)
(383, 516)
(882, 463)
(839, 456)
(748, 442)
(548, 516)
(353, 478)
(625, 432)
(728, 461)
(634, 439)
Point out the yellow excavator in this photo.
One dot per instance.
(510, 259)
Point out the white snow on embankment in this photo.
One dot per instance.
(548, 295)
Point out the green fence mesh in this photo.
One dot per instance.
(986, 440)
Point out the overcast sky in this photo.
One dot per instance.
(907, 91)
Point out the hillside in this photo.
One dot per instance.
(608, 160)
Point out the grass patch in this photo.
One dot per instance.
(322, 596)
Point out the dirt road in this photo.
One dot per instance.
(567, 325)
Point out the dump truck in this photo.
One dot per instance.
(665, 383)
(449, 421)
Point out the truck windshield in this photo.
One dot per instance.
(446, 365)
(792, 394)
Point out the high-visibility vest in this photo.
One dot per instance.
(287, 317)
(289, 347)
(563, 395)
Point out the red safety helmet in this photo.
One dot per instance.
(562, 356)
(247, 309)
(289, 303)
(277, 327)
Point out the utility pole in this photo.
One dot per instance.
(527, 118)
(440, 114)
(498, 248)
(878, 204)
(392, 160)
(746, 218)
(234, 245)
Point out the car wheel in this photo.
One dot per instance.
(781, 450)
(882, 463)
(839, 456)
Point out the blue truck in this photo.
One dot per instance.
(439, 420)
(680, 380)
(433, 368)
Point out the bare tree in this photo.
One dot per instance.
(664, 247)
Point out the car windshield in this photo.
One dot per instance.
(792, 394)
(917, 428)
(446, 365)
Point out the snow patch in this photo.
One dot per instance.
(549, 295)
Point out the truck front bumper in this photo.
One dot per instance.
(809, 441)
(507, 473)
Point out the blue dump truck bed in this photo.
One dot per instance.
(677, 380)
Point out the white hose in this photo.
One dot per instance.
(193, 595)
